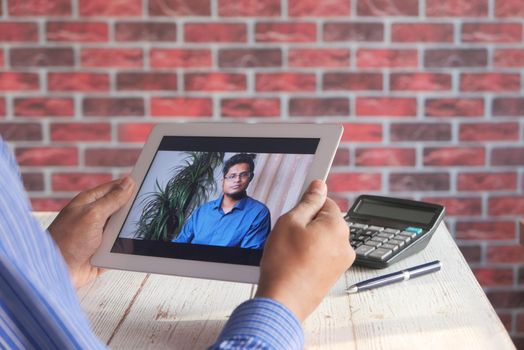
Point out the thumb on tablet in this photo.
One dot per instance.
(117, 196)
(312, 201)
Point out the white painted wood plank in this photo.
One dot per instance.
(177, 312)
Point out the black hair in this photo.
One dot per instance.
(238, 159)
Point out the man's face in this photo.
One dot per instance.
(237, 179)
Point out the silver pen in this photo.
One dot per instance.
(395, 277)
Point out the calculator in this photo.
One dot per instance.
(384, 230)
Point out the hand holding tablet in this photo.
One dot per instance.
(208, 195)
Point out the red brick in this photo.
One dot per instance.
(33, 181)
(520, 322)
(285, 32)
(387, 58)
(288, 82)
(41, 57)
(472, 254)
(352, 81)
(249, 58)
(509, 8)
(110, 8)
(381, 157)
(20, 131)
(341, 157)
(456, 8)
(2, 60)
(88, 82)
(18, 32)
(420, 81)
(47, 156)
(489, 131)
(106, 58)
(177, 8)
(386, 106)
(147, 81)
(489, 82)
(345, 31)
(454, 107)
(145, 31)
(506, 254)
(506, 205)
(80, 132)
(387, 8)
(409, 182)
(180, 58)
(420, 132)
(11, 81)
(49, 204)
(504, 156)
(487, 181)
(456, 206)
(250, 107)
(215, 32)
(354, 182)
(39, 7)
(44, 107)
(318, 57)
(314, 8)
(453, 156)
(215, 82)
(435, 58)
(181, 107)
(485, 230)
(319, 107)
(2, 107)
(111, 157)
(422, 32)
(112, 106)
(494, 276)
(492, 32)
(249, 8)
(78, 181)
(360, 132)
(77, 31)
(134, 132)
(508, 106)
(507, 58)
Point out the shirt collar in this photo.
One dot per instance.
(240, 205)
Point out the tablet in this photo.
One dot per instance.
(208, 195)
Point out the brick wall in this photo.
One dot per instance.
(429, 91)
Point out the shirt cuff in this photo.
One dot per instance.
(261, 323)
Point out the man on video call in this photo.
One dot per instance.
(234, 219)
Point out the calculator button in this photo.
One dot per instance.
(404, 238)
(364, 250)
(373, 243)
(396, 242)
(416, 230)
(375, 228)
(392, 247)
(359, 225)
(369, 233)
(380, 253)
(379, 239)
(386, 235)
(391, 230)
(409, 234)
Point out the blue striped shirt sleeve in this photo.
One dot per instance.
(261, 323)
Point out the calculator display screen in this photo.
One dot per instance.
(392, 211)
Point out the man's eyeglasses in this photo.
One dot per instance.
(242, 175)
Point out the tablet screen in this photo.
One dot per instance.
(215, 199)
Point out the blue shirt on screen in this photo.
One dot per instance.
(245, 226)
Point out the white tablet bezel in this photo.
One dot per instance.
(329, 136)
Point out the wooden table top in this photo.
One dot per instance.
(444, 310)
